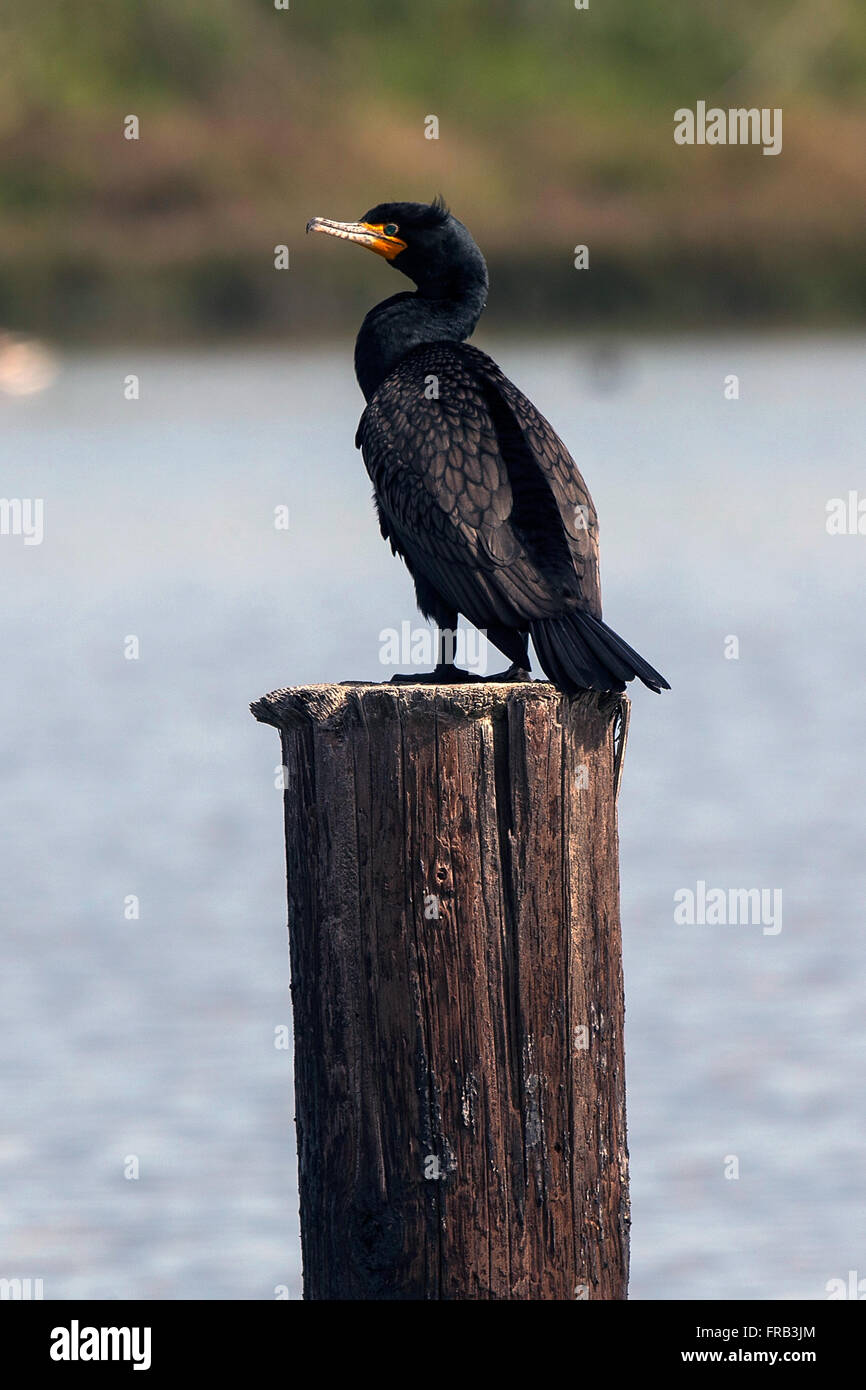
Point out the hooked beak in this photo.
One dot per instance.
(364, 233)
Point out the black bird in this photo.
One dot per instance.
(473, 487)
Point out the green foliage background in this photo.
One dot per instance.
(556, 127)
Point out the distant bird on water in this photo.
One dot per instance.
(474, 489)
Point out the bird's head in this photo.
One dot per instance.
(423, 240)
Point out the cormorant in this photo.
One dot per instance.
(473, 488)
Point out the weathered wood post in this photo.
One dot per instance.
(454, 926)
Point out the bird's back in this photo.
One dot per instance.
(477, 491)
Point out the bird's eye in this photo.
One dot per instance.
(391, 229)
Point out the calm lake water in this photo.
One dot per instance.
(154, 1039)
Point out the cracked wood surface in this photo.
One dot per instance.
(453, 891)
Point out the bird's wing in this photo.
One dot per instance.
(476, 490)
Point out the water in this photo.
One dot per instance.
(154, 1039)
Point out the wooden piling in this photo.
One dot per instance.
(453, 892)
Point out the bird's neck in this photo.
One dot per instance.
(405, 321)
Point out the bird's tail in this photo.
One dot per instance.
(580, 652)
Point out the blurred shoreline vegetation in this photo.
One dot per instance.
(556, 129)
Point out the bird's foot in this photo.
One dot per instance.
(443, 675)
(515, 674)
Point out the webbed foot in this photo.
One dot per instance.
(514, 674)
(443, 675)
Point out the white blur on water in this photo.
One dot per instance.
(155, 1037)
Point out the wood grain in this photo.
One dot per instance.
(453, 892)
